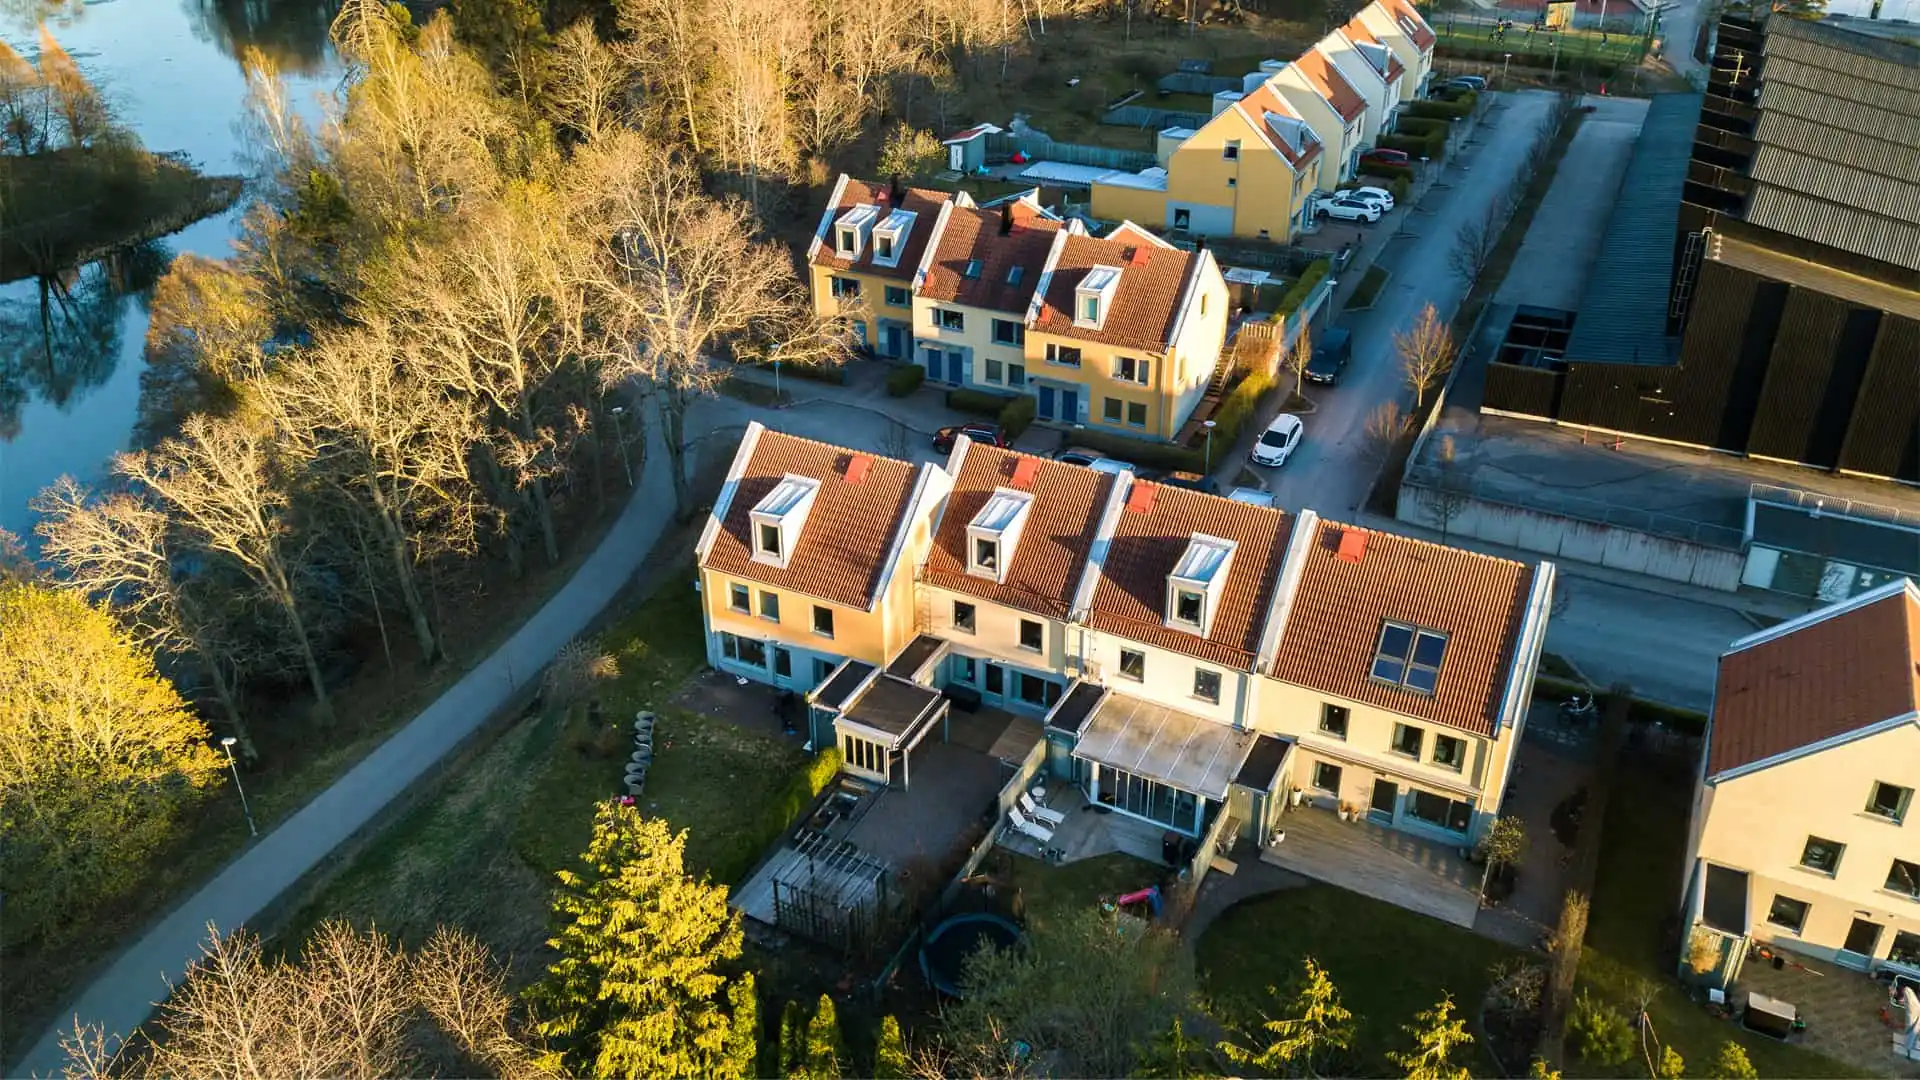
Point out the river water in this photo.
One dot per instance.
(170, 69)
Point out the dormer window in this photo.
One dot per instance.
(1197, 583)
(994, 533)
(779, 517)
(890, 238)
(851, 231)
(1094, 296)
(1409, 656)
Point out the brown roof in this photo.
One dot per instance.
(1409, 19)
(1052, 553)
(1338, 608)
(924, 204)
(1132, 594)
(1146, 303)
(1266, 99)
(972, 233)
(844, 544)
(1847, 671)
(1327, 81)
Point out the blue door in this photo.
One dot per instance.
(1069, 406)
(955, 373)
(1045, 408)
(896, 341)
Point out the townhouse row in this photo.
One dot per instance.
(1121, 332)
(1289, 130)
(1187, 655)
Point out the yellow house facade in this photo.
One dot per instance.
(1331, 107)
(1804, 833)
(807, 558)
(1123, 332)
(1400, 27)
(864, 255)
(972, 290)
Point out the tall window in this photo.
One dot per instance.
(1133, 665)
(1110, 409)
(1822, 855)
(995, 371)
(1449, 814)
(1206, 685)
(823, 621)
(1137, 413)
(770, 605)
(963, 616)
(1149, 799)
(1333, 720)
(1131, 369)
(770, 539)
(1006, 332)
(1788, 913)
(1187, 606)
(1030, 635)
(1409, 656)
(738, 600)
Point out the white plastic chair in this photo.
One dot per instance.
(1029, 828)
(1040, 813)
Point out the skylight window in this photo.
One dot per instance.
(1410, 657)
(994, 533)
(973, 269)
(1015, 273)
(779, 517)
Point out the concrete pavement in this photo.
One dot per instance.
(121, 998)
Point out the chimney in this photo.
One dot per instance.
(1353, 546)
(1006, 218)
(896, 191)
(1138, 256)
(857, 468)
(1140, 499)
(1199, 244)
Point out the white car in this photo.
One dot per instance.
(1380, 197)
(1351, 210)
(1277, 443)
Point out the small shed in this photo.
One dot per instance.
(967, 150)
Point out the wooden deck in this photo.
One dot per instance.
(1386, 864)
(1088, 831)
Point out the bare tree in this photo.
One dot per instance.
(667, 44)
(588, 88)
(1426, 354)
(458, 982)
(1385, 423)
(574, 671)
(1473, 244)
(225, 483)
(1298, 357)
(684, 280)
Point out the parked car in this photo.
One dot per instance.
(1278, 442)
(1254, 497)
(1351, 210)
(1446, 91)
(1087, 459)
(1192, 481)
(1380, 196)
(979, 431)
(1475, 83)
(1330, 354)
(1378, 156)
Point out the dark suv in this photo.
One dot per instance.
(979, 431)
(1330, 355)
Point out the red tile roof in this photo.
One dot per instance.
(848, 534)
(1131, 597)
(1334, 626)
(1266, 99)
(924, 204)
(1317, 68)
(1052, 553)
(1408, 18)
(1146, 303)
(1847, 671)
(973, 233)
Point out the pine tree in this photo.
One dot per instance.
(824, 1049)
(1732, 1063)
(1437, 1033)
(1177, 1055)
(1316, 1027)
(793, 1041)
(742, 1059)
(636, 988)
(1672, 1065)
(890, 1054)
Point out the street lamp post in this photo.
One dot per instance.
(227, 745)
(1505, 61)
(1209, 424)
(626, 464)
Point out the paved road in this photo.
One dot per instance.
(1334, 465)
(1667, 648)
(123, 996)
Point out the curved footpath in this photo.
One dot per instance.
(122, 997)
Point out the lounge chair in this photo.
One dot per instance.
(1029, 828)
(1040, 813)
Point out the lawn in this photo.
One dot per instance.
(1368, 290)
(1537, 47)
(1388, 963)
(1046, 888)
(1634, 915)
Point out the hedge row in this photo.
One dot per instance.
(1431, 147)
(1684, 721)
(1016, 416)
(1570, 59)
(743, 854)
(978, 402)
(1297, 295)
(1420, 127)
(1387, 172)
(905, 379)
(1164, 457)
(1239, 406)
(1442, 110)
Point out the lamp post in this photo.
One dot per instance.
(1507, 59)
(227, 745)
(626, 465)
(1209, 424)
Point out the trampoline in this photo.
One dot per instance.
(944, 956)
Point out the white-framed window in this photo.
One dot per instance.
(1032, 635)
(898, 296)
(1449, 752)
(1188, 607)
(1133, 665)
(986, 553)
(1064, 355)
(963, 616)
(1131, 369)
(770, 539)
(1326, 777)
(1407, 740)
(845, 288)
(823, 621)
(770, 605)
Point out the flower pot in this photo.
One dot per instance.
(1299, 797)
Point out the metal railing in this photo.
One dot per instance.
(1814, 502)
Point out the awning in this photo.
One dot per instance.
(892, 711)
(1178, 749)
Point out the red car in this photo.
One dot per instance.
(979, 431)
(1386, 157)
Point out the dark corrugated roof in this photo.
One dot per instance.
(892, 705)
(1623, 313)
(922, 650)
(1262, 766)
(1078, 705)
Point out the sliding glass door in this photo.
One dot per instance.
(1149, 799)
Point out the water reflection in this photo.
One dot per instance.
(62, 337)
(293, 33)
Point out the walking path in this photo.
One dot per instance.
(123, 996)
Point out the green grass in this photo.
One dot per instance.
(1537, 48)
(1368, 290)
(1635, 900)
(1046, 889)
(1389, 964)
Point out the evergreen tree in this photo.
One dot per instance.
(793, 1041)
(1177, 1055)
(636, 988)
(1315, 1029)
(1540, 1070)
(1437, 1033)
(890, 1053)
(1731, 1063)
(824, 1049)
(742, 1060)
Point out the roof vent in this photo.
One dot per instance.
(1140, 499)
(1024, 471)
(1006, 219)
(858, 466)
(1138, 256)
(1353, 545)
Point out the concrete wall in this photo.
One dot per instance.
(1568, 538)
(1121, 202)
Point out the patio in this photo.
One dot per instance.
(1088, 831)
(1841, 1009)
(1386, 864)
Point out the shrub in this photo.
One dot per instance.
(1415, 145)
(1401, 187)
(1297, 294)
(1732, 1062)
(1015, 417)
(1441, 110)
(827, 373)
(1165, 457)
(1419, 127)
(1600, 1034)
(978, 402)
(1239, 404)
(905, 379)
(779, 816)
(1388, 173)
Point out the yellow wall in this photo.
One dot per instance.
(863, 635)
(976, 333)
(1263, 195)
(1112, 202)
(1760, 823)
(1384, 27)
(872, 294)
(1334, 145)
(1367, 752)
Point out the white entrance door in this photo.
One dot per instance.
(955, 157)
